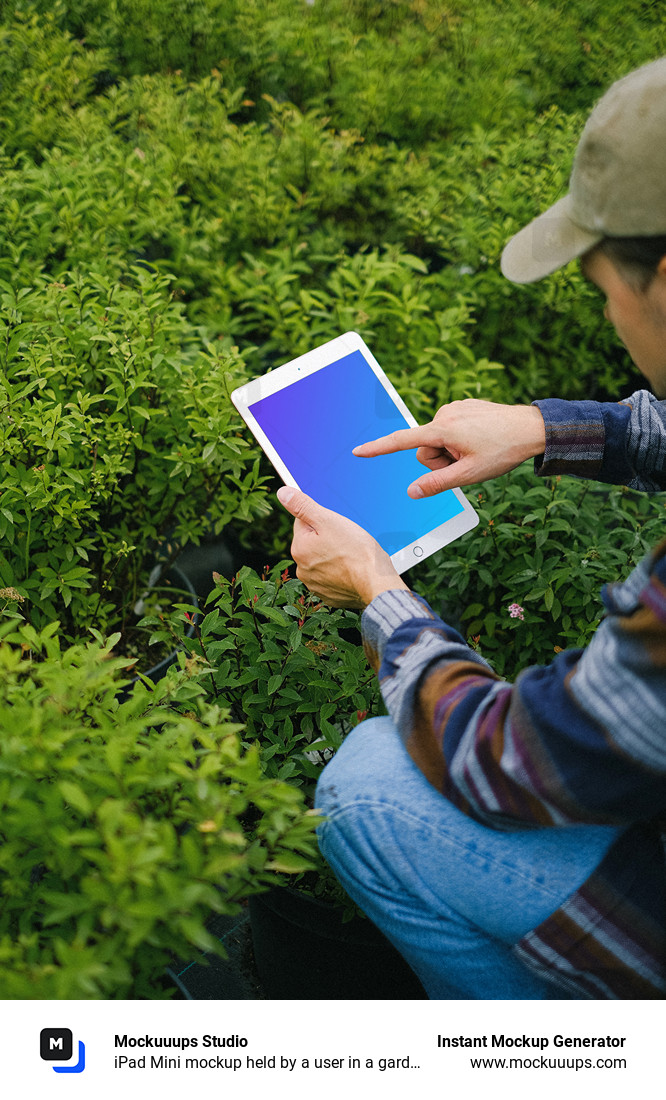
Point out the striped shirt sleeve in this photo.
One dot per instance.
(579, 740)
(621, 444)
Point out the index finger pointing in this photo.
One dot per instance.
(404, 439)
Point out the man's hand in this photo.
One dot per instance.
(335, 558)
(467, 441)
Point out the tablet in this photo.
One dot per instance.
(310, 413)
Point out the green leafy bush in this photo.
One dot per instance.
(404, 70)
(237, 192)
(45, 76)
(291, 669)
(117, 445)
(521, 586)
(526, 582)
(124, 824)
(418, 329)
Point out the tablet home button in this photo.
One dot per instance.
(418, 551)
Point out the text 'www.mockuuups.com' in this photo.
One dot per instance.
(540, 1051)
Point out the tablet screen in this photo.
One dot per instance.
(314, 424)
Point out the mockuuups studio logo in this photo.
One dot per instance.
(55, 1045)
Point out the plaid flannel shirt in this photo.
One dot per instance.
(582, 739)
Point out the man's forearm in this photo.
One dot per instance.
(502, 751)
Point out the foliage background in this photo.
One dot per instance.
(192, 192)
(297, 168)
(283, 172)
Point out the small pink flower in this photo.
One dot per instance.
(516, 611)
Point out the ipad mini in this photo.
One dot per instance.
(310, 413)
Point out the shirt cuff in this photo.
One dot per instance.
(387, 612)
(575, 438)
(392, 609)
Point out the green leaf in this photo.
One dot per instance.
(289, 863)
(75, 796)
(275, 614)
(210, 621)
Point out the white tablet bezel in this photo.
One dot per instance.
(315, 360)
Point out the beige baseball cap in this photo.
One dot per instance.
(618, 180)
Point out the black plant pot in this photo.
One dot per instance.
(213, 555)
(176, 579)
(304, 951)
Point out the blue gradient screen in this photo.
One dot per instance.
(314, 424)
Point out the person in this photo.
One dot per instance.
(508, 837)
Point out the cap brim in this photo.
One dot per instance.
(546, 244)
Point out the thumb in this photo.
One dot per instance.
(298, 504)
(452, 476)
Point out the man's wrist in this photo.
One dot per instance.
(535, 440)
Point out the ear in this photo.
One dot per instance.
(657, 288)
(659, 281)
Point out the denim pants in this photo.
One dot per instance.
(452, 895)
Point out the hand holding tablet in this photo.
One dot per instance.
(311, 413)
(338, 561)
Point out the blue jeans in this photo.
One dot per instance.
(452, 895)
